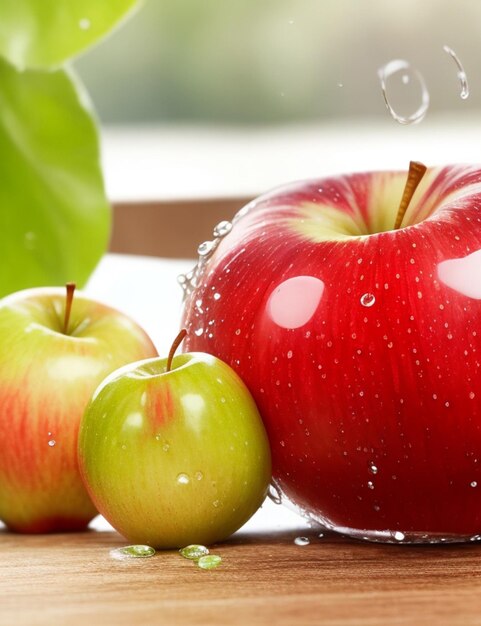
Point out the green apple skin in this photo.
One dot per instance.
(178, 457)
(46, 380)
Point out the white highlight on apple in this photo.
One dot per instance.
(293, 303)
(194, 406)
(463, 275)
(73, 367)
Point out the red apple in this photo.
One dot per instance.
(361, 344)
(51, 362)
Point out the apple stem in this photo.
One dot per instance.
(415, 175)
(70, 287)
(177, 341)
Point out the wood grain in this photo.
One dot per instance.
(169, 229)
(264, 579)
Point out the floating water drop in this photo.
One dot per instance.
(464, 93)
(222, 229)
(52, 442)
(210, 561)
(395, 77)
(368, 299)
(132, 552)
(302, 541)
(194, 552)
(274, 494)
(183, 479)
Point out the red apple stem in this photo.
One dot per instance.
(415, 175)
(177, 341)
(70, 287)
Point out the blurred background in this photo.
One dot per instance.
(278, 61)
(231, 98)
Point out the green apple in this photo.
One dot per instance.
(54, 353)
(174, 452)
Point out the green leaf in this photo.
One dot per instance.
(44, 33)
(54, 216)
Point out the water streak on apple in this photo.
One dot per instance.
(378, 368)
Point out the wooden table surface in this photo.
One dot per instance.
(264, 579)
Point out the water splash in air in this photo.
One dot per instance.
(464, 93)
(402, 86)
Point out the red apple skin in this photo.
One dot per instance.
(373, 412)
(46, 381)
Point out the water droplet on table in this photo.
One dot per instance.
(302, 541)
(132, 552)
(210, 561)
(194, 552)
(403, 86)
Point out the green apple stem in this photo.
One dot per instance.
(415, 175)
(177, 341)
(70, 287)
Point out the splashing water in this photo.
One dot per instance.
(274, 494)
(400, 79)
(464, 93)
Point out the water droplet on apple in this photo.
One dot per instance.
(373, 468)
(302, 541)
(407, 90)
(199, 475)
(471, 395)
(370, 484)
(320, 535)
(199, 332)
(216, 296)
(183, 479)
(205, 248)
(368, 299)
(194, 552)
(464, 93)
(222, 229)
(132, 552)
(52, 442)
(84, 23)
(474, 483)
(216, 504)
(399, 536)
(210, 561)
